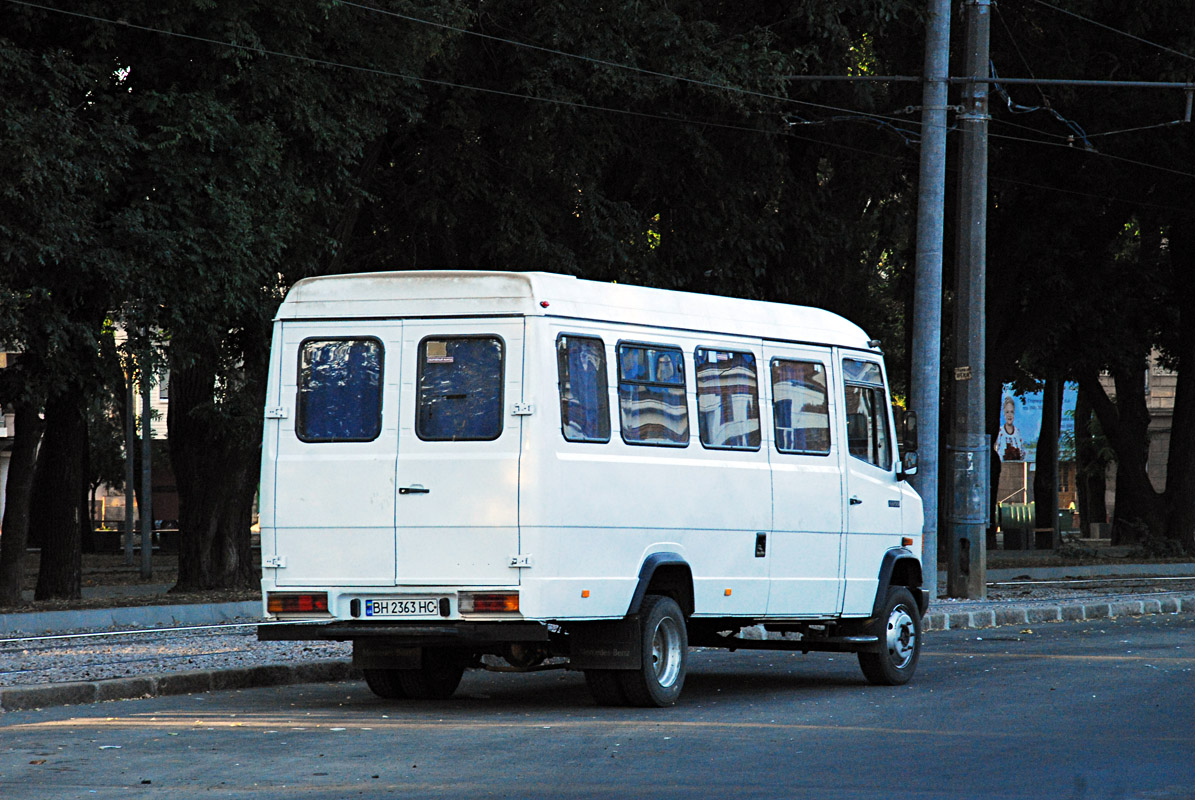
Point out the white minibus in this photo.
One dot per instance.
(461, 467)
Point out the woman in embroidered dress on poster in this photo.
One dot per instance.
(1009, 445)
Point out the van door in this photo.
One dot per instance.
(807, 485)
(457, 501)
(336, 443)
(873, 489)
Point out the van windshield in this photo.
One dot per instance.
(460, 389)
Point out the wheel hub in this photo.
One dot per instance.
(902, 637)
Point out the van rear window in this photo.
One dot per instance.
(340, 390)
(460, 389)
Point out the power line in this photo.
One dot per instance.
(861, 116)
(640, 70)
(1115, 30)
(388, 73)
(1094, 153)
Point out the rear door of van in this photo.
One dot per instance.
(460, 433)
(336, 412)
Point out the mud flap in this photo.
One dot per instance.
(612, 644)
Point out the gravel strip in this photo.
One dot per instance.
(150, 653)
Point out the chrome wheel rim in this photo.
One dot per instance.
(666, 652)
(902, 637)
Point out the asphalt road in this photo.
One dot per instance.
(1100, 709)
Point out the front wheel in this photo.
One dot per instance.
(665, 647)
(899, 630)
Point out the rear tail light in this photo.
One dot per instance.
(297, 603)
(492, 602)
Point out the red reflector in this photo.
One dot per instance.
(315, 603)
(907, 541)
(495, 602)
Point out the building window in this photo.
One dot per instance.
(584, 394)
(800, 407)
(460, 389)
(340, 390)
(727, 399)
(651, 395)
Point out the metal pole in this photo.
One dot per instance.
(927, 300)
(147, 504)
(130, 442)
(970, 458)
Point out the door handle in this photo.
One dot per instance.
(416, 489)
(855, 501)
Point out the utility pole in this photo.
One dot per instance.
(130, 443)
(147, 503)
(927, 300)
(969, 453)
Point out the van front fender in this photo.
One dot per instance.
(906, 567)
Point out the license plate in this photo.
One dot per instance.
(405, 607)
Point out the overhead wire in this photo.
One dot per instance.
(470, 87)
(614, 64)
(1133, 36)
(554, 101)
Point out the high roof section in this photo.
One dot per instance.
(469, 293)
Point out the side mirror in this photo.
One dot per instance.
(908, 432)
(908, 464)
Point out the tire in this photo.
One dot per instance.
(437, 677)
(384, 683)
(605, 686)
(665, 646)
(899, 629)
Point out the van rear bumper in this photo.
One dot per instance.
(412, 634)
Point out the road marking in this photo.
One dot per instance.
(1062, 657)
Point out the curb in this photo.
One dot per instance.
(24, 698)
(37, 623)
(1071, 611)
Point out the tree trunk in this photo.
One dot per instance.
(1180, 465)
(216, 469)
(1090, 468)
(16, 503)
(1045, 478)
(62, 480)
(1140, 509)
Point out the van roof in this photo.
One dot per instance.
(450, 293)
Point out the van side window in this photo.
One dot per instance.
(866, 413)
(584, 399)
(651, 395)
(727, 399)
(460, 389)
(800, 407)
(340, 390)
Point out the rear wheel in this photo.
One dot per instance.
(436, 678)
(899, 630)
(605, 687)
(384, 683)
(665, 646)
